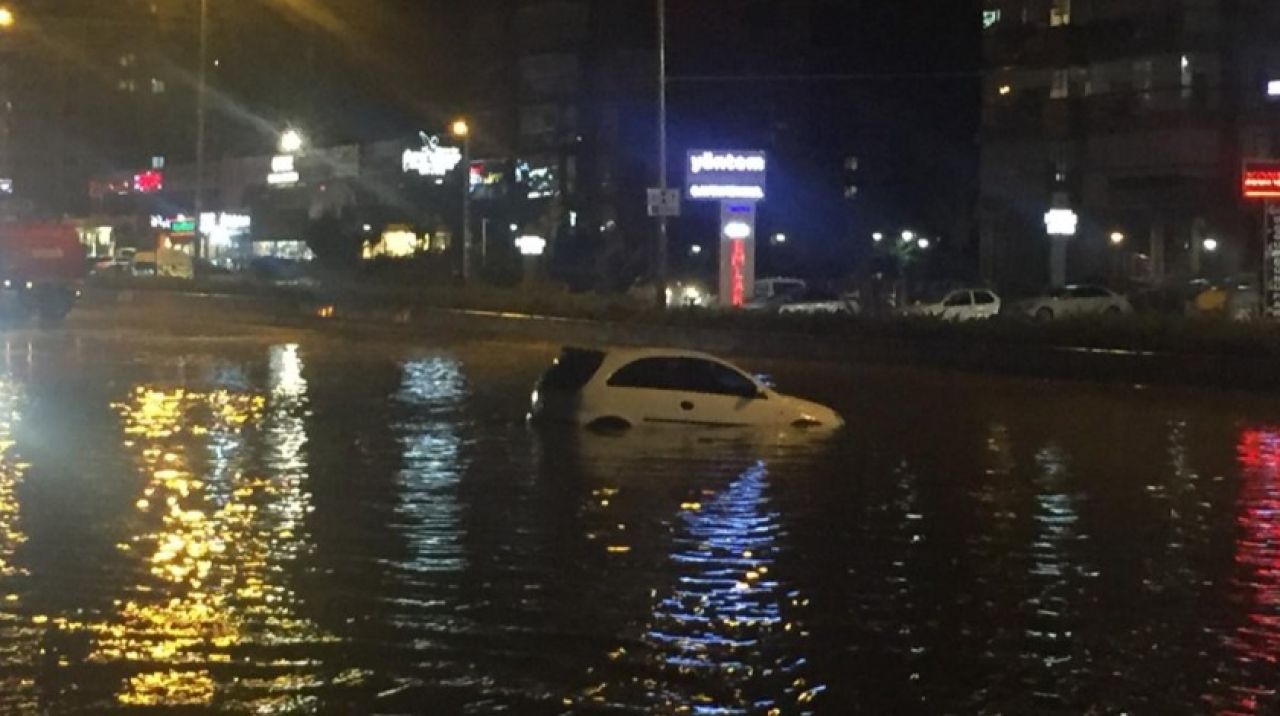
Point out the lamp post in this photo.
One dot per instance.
(660, 253)
(462, 131)
(202, 92)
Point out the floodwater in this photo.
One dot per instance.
(307, 525)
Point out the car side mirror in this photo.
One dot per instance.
(762, 395)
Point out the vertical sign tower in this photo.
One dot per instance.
(1261, 181)
(736, 179)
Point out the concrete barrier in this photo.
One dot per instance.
(1099, 365)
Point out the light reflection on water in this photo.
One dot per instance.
(1248, 683)
(723, 638)
(19, 638)
(215, 529)
(1015, 559)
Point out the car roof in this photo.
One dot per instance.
(627, 354)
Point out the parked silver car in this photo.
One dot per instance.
(1079, 300)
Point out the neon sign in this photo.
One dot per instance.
(1261, 180)
(284, 171)
(738, 266)
(148, 182)
(432, 160)
(726, 175)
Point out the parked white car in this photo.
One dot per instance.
(770, 293)
(1075, 301)
(966, 304)
(818, 303)
(625, 388)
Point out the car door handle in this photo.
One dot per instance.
(686, 405)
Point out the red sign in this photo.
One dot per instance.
(1261, 180)
(738, 261)
(148, 182)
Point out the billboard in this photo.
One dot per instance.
(726, 175)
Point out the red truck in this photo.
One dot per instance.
(41, 268)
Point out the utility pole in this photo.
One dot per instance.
(660, 253)
(202, 92)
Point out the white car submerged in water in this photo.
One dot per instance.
(625, 388)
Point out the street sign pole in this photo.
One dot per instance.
(660, 254)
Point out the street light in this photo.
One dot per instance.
(877, 237)
(1210, 245)
(291, 141)
(695, 250)
(462, 130)
(1117, 238)
(923, 244)
(7, 18)
(908, 236)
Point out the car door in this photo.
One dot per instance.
(647, 390)
(957, 305)
(681, 391)
(720, 395)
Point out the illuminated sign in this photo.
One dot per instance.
(726, 175)
(148, 182)
(1061, 222)
(6, 186)
(531, 245)
(737, 230)
(737, 252)
(738, 270)
(432, 160)
(284, 171)
(183, 226)
(990, 18)
(1273, 88)
(1261, 180)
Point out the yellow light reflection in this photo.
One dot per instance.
(19, 635)
(216, 529)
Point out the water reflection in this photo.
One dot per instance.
(724, 638)
(428, 511)
(1248, 685)
(216, 531)
(1054, 656)
(19, 637)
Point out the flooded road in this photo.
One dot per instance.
(305, 525)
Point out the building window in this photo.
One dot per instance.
(1061, 87)
(1060, 13)
(127, 86)
(128, 60)
(157, 86)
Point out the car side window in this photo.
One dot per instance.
(960, 298)
(652, 373)
(701, 376)
(1091, 292)
(982, 298)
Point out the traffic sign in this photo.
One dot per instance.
(664, 202)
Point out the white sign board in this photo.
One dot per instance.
(664, 202)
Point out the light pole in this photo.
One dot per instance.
(202, 92)
(660, 253)
(462, 131)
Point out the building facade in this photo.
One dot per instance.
(1136, 114)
